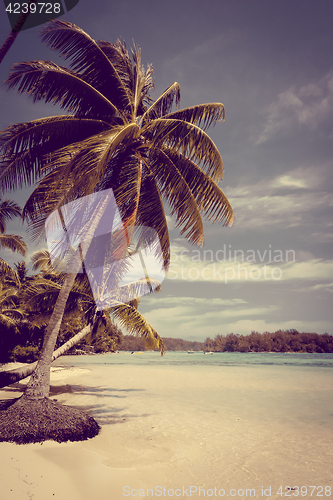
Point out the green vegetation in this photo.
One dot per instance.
(130, 343)
(279, 341)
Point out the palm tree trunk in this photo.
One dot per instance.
(39, 384)
(71, 342)
(12, 376)
(15, 31)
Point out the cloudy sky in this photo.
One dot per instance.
(270, 64)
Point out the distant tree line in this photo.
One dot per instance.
(130, 343)
(279, 341)
(24, 344)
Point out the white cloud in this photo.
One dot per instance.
(326, 287)
(288, 210)
(186, 322)
(309, 105)
(287, 200)
(183, 321)
(289, 181)
(191, 301)
(234, 266)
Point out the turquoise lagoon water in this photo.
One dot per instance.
(304, 360)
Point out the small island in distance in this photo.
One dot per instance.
(279, 341)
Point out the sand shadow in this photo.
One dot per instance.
(105, 392)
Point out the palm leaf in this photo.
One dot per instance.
(187, 139)
(8, 210)
(25, 145)
(151, 213)
(163, 104)
(130, 292)
(41, 261)
(57, 84)
(176, 191)
(128, 317)
(13, 242)
(7, 321)
(14, 314)
(88, 59)
(143, 83)
(210, 199)
(8, 271)
(202, 115)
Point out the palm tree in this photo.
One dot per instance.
(9, 310)
(114, 136)
(15, 243)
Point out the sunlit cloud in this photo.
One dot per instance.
(288, 200)
(229, 265)
(191, 301)
(310, 105)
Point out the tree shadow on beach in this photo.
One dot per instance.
(92, 391)
(105, 414)
(6, 403)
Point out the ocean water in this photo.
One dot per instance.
(148, 358)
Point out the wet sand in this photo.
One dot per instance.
(182, 432)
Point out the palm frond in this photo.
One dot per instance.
(128, 317)
(143, 83)
(176, 191)
(26, 147)
(8, 298)
(202, 115)
(8, 271)
(210, 199)
(41, 261)
(187, 139)
(88, 59)
(13, 314)
(45, 80)
(118, 55)
(134, 290)
(13, 242)
(151, 213)
(40, 293)
(8, 210)
(7, 321)
(163, 104)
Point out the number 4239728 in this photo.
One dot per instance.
(34, 8)
(303, 491)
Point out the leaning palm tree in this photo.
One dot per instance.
(115, 136)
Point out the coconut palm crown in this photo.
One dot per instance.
(114, 136)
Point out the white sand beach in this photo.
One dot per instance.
(195, 431)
